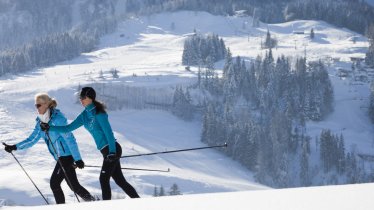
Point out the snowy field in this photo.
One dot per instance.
(151, 49)
(345, 197)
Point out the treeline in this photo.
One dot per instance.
(304, 91)
(200, 50)
(260, 112)
(52, 22)
(352, 14)
(21, 21)
(55, 47)
(334, 158)
(182, 104)
(40, 33)
(332, 152)
(370, 54)
(159, 192)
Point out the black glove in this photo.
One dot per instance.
(44, 126)
(10, 148)
(79, 164)
(111, 157)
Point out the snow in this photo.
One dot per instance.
(150, 49)
(371, 2)
(345, 197)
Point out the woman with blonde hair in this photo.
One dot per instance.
(62, 146)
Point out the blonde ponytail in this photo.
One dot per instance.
(44, 97)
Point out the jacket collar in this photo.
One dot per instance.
(90, 107)
(54, 112)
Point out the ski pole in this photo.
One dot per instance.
(136, 169)
(28, 176)
(173, 151)
(62, 167)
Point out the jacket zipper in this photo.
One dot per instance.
(62, 147)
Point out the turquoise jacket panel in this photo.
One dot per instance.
(64, 143)
(96, 124)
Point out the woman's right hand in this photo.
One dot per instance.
(44, 126)
(79, 164)
(9, 148)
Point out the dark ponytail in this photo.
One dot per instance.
(100, 107)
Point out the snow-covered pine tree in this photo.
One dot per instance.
(312, 35)
(174, 190)
(371, 105)
(182, 104)
(341, 155)
(155, 192)
(197, 48)
(269, 41)
(114, 73)
(305, 178)
(161, 191)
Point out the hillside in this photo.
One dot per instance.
(147, 53)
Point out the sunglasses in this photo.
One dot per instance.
(38, 106)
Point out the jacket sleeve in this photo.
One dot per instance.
(69, 139)
(78, 122)
(108, 132)
(32, 139)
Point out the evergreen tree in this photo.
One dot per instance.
(209, 125)
(174, 190)
(352, 169)
(304, 166)
(371, 105)
(269, 41)
(369, 59)
(312, 33)
(280, 134)
(161, 192)
(228, 63)
(155, 192)
(199, 77)
(203, 50)
(101, 74)
(341, 155)
(114, 73)
(182, 104)
(332, 152)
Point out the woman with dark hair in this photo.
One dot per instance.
(62, 146)
(95, 119)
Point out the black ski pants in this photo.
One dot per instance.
(58, 176)
(113, 169)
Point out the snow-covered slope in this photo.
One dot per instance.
(149, 48)
(371, 2)
(346, 197)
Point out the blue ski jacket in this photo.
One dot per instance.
(97, 124)
(64, 143)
